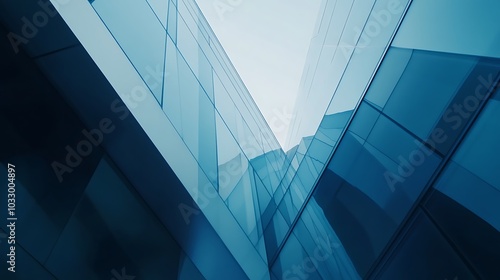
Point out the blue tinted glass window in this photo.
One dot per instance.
(425, 254)
(479, 153)
(388, 75)
(323, 244)
(243, 203)
(146, 50)
(275, 233)
(428, 84)
(99, 230)
(372, 184)
(365, 119)
(472, 178)
(190, 111)
(466, 227)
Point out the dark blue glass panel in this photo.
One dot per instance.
(431, 94)
(476, 239)
(472, 192)
(425, 254)
(428, 76)
(26, 267)
(469, 98)
(480, 150)
(471, 178)
(51, 151)
(496, 96)
(371, 185)
(187, 269)
(360, 224)
(113, 230)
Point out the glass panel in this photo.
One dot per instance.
(365, 119)
(464, 225)
(287, 208)
(54, 155)
(172, 90)
(425, 254)
(332, 126)
(231, 161)
(160, 8)
(319, 151)
(195, 57)
(242, 202)
(373, 185)
(262, 193)
(471, 178)
(26, 266)
(479, 153)
(275, 233)
(172, 21)
(451, 28)
(294, 263)
(146, 50)
(99, 230)
(428, 76)
(187, 269)
(322, 243)
(191, 111)
(388, 75)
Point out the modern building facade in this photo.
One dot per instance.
(140, 154)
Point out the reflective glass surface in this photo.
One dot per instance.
(395, 175)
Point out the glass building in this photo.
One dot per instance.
(139, 153)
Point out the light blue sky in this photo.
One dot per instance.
(267, 41)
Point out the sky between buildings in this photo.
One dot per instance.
(267, 41)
